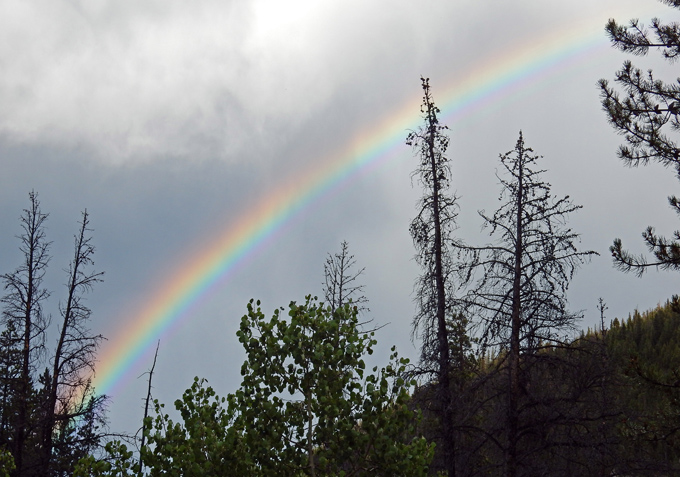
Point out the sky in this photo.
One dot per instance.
(223, 149)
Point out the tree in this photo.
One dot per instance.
(48, 420)
(520, 280)
(332, 417)
(24, 319)
(432, 231)
(306, 406)
(205, 442)
(644, 113)
(340, 280)
(69, 393)
(147, 401)
(10, 366)
(6, 463)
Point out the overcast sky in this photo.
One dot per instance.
(169, 120)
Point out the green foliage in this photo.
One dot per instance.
(646, 111)
(645, 349)
(204, 443)
(603, 404)
(651, 339)
(306, 406)
(120, 463)
(6, 463)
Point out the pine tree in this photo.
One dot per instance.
(645, 111)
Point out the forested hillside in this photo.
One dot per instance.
(606, 403)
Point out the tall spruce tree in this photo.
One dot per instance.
(519, 281)
(645, 111)
(432, 232)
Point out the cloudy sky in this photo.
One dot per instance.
(171, 121)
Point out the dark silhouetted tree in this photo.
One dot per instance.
(432, 233)
(520, 280)
(340, 284)
(52, 419)
(147, 401)
(24, 320)
(69, 393)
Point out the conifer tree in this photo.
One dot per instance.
(519, 281)
(48, 420)
(69, 392)
(645, 111)
(24, 319)
(432, 232)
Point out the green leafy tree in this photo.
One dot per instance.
(6, 463)
(645, 109)
(306, 406)
(204, 443)
(120, 462)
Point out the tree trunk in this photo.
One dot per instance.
(33, 223)
(513, 396)
(442, 332)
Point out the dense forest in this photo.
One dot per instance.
(506, 383)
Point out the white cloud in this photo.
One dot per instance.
(138, 80)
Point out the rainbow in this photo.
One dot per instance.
(490, 83)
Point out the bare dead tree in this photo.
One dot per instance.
(341, 280)
(69, 392)
(23, 315)
(147, 401)
(432, 232)
(521, 279)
